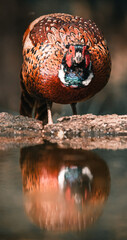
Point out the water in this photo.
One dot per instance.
(52, 193)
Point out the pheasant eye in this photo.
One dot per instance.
(72, 50)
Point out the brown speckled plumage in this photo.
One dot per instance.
(44, 47)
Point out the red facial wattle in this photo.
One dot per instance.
(87, 60)
(86, 56)
(83, 50)
(69, 60)
(70, 55)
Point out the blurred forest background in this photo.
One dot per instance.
(110, 16)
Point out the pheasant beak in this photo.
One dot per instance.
(78, 57)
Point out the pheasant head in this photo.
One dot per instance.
(76, 67)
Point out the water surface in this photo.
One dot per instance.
(52, 193)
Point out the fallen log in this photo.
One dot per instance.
(86, 131)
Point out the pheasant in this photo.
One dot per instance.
(65, 60)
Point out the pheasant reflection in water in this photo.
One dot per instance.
(64, 189)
